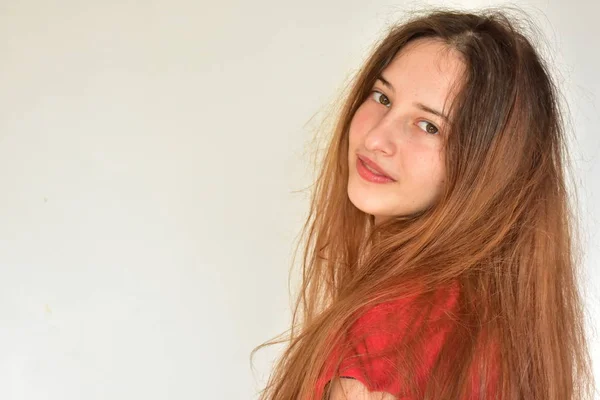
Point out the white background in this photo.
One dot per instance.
(152, 157)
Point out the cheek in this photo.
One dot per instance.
(424, 165)
(361, 123)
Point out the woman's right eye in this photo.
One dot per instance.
(381, 98)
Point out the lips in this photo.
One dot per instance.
(374, 168)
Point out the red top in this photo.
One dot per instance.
(377, 373)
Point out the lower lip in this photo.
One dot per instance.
(370, 176)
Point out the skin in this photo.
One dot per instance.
(406, 141)
(352, 389)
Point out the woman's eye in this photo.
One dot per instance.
(381, 98)
(428, 127)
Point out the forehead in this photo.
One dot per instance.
(425, 69)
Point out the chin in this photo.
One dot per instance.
(368, 203)
(374, 203)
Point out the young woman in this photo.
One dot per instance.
(440, 260)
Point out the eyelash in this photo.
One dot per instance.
(437, 130)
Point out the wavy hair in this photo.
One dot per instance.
(503, 229)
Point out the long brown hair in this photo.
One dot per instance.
(503, 229)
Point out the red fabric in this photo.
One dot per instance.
(382, 327)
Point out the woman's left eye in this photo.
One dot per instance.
(428, 127)
(380, 98)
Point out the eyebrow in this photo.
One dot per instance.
(386, 83)
(421, 106)
(431, 111)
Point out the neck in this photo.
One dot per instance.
(380, 219)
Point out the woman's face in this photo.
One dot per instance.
(400, 128)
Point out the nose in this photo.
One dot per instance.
(380, 138)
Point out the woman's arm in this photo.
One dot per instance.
(353, 389)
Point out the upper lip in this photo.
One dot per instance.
(374, 166)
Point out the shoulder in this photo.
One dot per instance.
(387, 331)
(407, 316)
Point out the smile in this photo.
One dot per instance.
(369, 174)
